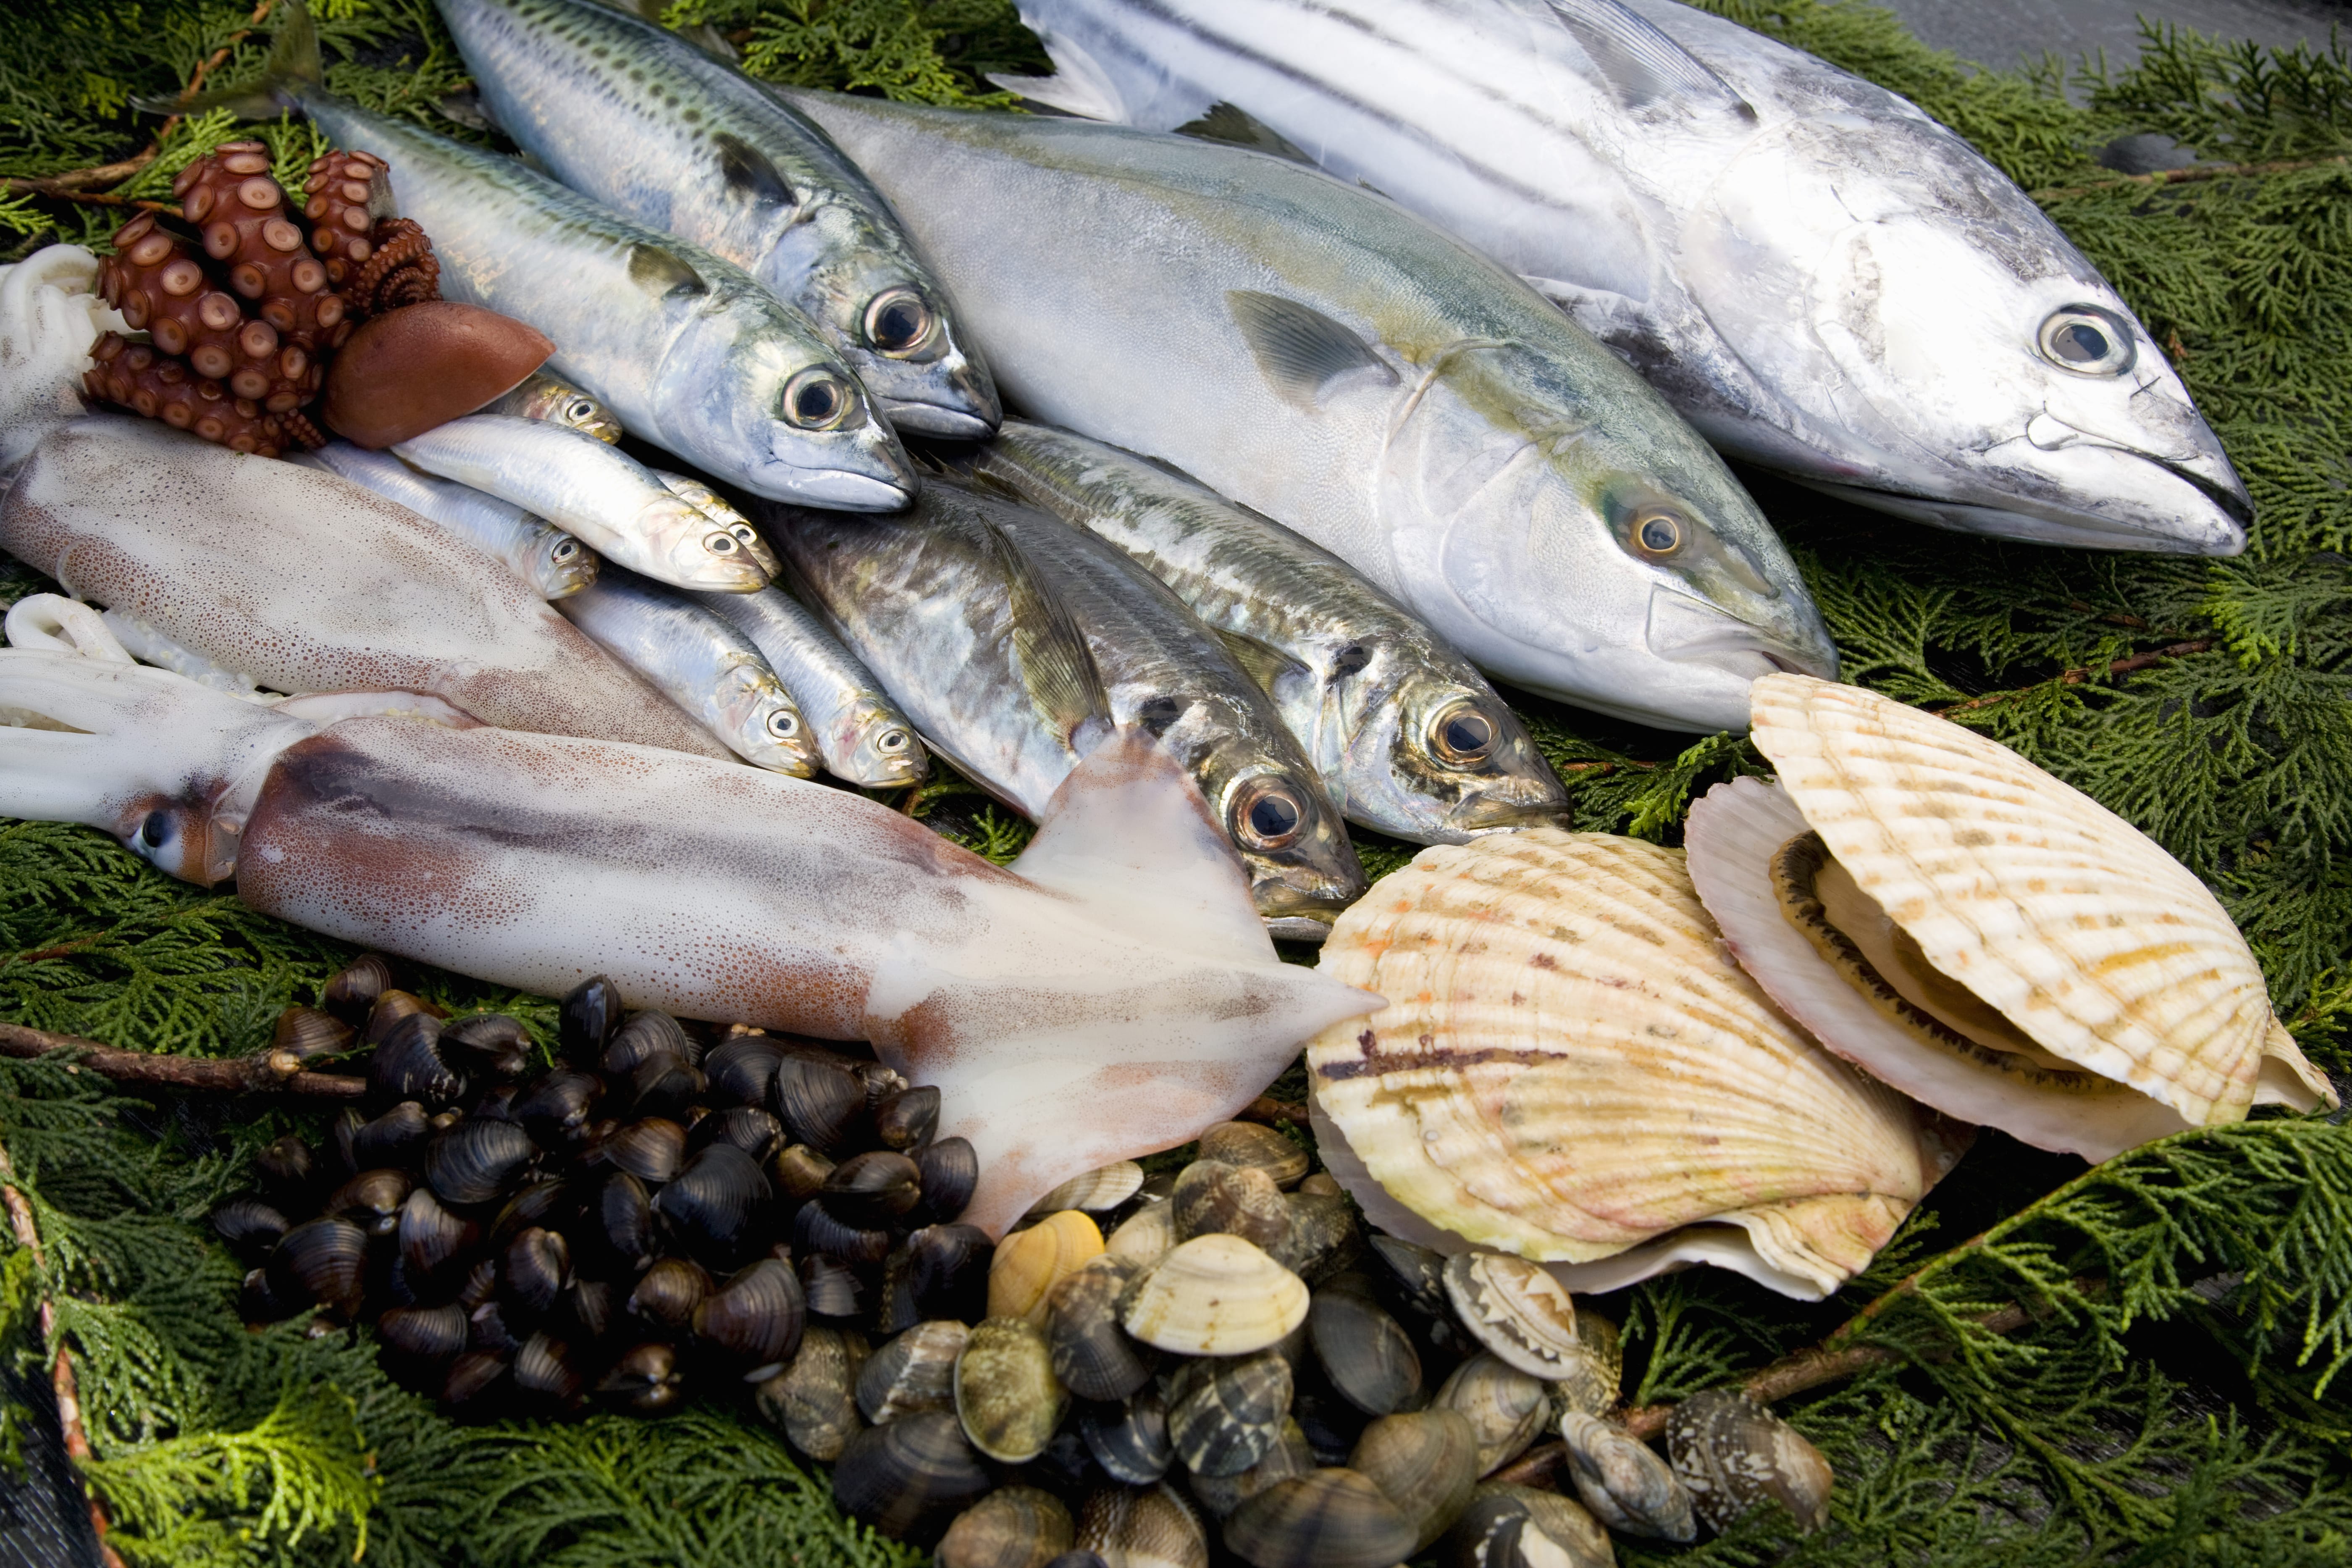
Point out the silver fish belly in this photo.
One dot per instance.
(543, 397)
(1405, 733)
(1314, 351)
(552, 562)
(1823, 279)
(631, 114)
(686, 349)
(860, 730)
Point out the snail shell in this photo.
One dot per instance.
(1325, 1519)
(1093, 1356)
(1625, 1485)
(908, 1479)
(1029, 1263)
(914, 1372)
(1012, 1527)
(1130, 1438)
(1224, 1416)
(1005, 1392)
(1214, 1295)
(1506, 1407)
(1236, 1200)
(1515, 1310)
(1097, 1192)
(1250, 1145)
(1732, 1454)
(1425, 1462)
(1364, 1352)
(814, 1399)
(1142, 1527)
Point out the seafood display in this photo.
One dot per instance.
(1818, 275)
(858, 731)
(632, 115)
(552, 562)
(1309, 350)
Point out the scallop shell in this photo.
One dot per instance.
(1572, 1067)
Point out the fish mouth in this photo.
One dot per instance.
(1687, 630)
(939, 419)
(844, 489)
(2065, 527)
(1480, 815)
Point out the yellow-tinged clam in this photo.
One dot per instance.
(1572, 1070)
(1029, 1263)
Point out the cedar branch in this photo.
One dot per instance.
(272, 1070)
(2192, 174)
(2114, 667)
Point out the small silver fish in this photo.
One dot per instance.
(700, 663)
(544, 397)
(543, 555)
(863, 736)
(603, 495)
(721, 511)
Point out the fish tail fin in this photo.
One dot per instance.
(293, 64)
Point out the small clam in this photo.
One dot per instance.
(1029, 1263)
(487, 1329)
(1365, 1352)
(1247, 1143)
(1518, 1527)
(1224, 1416)
(307, 1033)
(651, 1148)
(1078, 1559)
(1732, 1452)
(1506, 1407)
(1214, 1295)
(1234, 1200)
(475, 1381)
(408, 1065)
(814, 1399)
(1625, 1484)
(1322, 1234)
(665, 1295)
(288, 1170)
(748, 1128)
(879, 1082)
(1588, 1380)
(1145, 1236)
(532, 1272)
(1097, 1192)
(643, 1036)
(351, 992)
(831, 1287)
(1330, 1423)
(755, 1319)
(623, 1221)
(1005, 1392)
(645, 1379)
(1426, 1463)
(904, 1121)
(391, 1008)
(871, 1190)
(590, 1012)
(910, 1478)
(1325, 1519)
(547, 1368)
(798, 1172)
(322, 1261)
(914, 1372)
(741, 1070)
(1291, 1456)
(1092, 1354)
(425, 1335)
(249, 1227)
(1012, 1527)
(713, 1206)
(1142, 1527)
(393, 1139)
(557, 1108)
(820, 1103)
(371, 1200)
(664, 1084)
(1515, 1310)
(478, 1163)
(939, 1271)
(816, 1230)
(588, 1311)
(488, 1045)
(950, 1170)
(1130, 1438)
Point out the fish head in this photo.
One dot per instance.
(1955, 359)
(1570, 534)
(763, 725)
(1450, 757)
(544, 397)
(905, 349)
(689, 549)
(885, 752)
(1293, 845)
(563, 566)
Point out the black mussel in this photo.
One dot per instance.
(714, 1205)
(547, 1200)
(340, 1164)
(754, 1320)
(645, 1380)
(481, 1283)
(288, 1173)
(390, 1008)
(950, 1265)
(872, 1189)
(821, 1104)
(748, 1128)
(489, 1045)
(556, 1108)
(831, 1287)
(650, 1150)
(549, 1370)
(623, 1223)
(409, 1065)
(665, 1295)
(590, 1012)
(371, 1200)
(476, 1383)
(395, 1140)
(798, 1172)
(486, 1328)
(910, 1478)
(495, 1103)
(321, 1262)
(741, 1070)
(878, 1081)
(647, 1035)
(588, 1311)
(351, 992)
(306, 1033)
(814, 1230)
(663, 1084)
(249, 1227)
(478, 1163)
(424, 1334)
(533, 1269)
(906, 1121)
(433, 1241)
(950, 1170)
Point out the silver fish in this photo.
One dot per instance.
(542, 396)
(603, 495)
(688, 351)
(1822, 278)
(552, 562)
(1314, 351)
(1405, 733)
(637, 117)
(860, 730)
(700, 663)
(722, 511)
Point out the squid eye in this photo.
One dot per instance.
(897, 321)
(784, 724)
(2087, 340)
(1268, 815)
(721, 544)
(892, 741)
(156, 831)
(819, 400)
(1657, 534)
(1462, 734)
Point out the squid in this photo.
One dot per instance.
(1109, 994)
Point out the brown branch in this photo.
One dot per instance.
(77, 180)
(278, 1071)
(1543, 1466)
(218, 59)
(2192, 174)
(1272, 1113)
(88, 198)
(2077, 676)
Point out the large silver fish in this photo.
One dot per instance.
(635, 116)
(1405, 733)
(552, 562)
(1311, 350)
(860, 730)
(1823, 279)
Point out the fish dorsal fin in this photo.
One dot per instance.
(750, 175)
(1078, 85)
(663, 274)
(1128, 834)
(1236, 128)
(1056, 669)
(1301, 352)
(1641, 64)
(1264, 663)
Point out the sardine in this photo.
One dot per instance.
(1312, 351)
(599, 492)
(1405, 733)
(637, 117)
(688, 351)
(722, 511)
(542, 396)
(700, 663)
(1824, 281)
(860, 730)
(552, 562)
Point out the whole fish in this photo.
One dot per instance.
(722, 511)
(700, 663)
(600, 493)
(542, 396)
(633, 115)
(688, 351)
(859, 731)
(1406, 735)
(1312, 351)
(960, 632)
(1822, 278)
(301, 581)
(551, 560)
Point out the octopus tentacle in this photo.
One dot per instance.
(136, 377)
(246, 228)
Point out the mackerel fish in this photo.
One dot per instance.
(858, 729)
(551, 560)
(1315, 352)
(635, 116)
(1821, 278)
(1406, 735)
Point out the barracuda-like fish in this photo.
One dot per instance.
(863, 736)
(542, 396)
(1311, 350)
(1823, 279)
(688, 350)
(700, 663)
(1405, 733)
(543, 555)
(635, 116)
(599, 492)
(723, 512)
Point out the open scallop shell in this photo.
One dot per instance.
(1572, 1068)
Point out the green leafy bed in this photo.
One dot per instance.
(2173, 1394)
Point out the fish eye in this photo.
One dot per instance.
(784, 724)
(565, 550)
(742, 530)
(721, 544)
(2087, 340)
(1657, 533)
(581, 411)
(892, 741)
(819, 400)
(156, 831)
(1462, 734)
(898, 322)
(1268, 815)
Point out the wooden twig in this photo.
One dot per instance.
(1541, 1467)
(214, 61)
(1272, 1113)
(2193, 174)
(86, 198)
(2114, 667)
(278, 1072)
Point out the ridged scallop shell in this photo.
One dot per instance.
(1570, 1067)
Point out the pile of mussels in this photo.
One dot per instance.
(1138, 1362)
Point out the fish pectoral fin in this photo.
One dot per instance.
(750, 175)
(663, 274)
(1264, 663)
(1237, 127)
(1056, 667)
(1300, 350)
(1640, 65)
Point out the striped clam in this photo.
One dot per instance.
(1981, 936)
